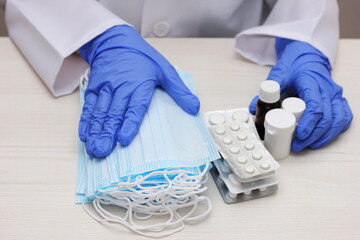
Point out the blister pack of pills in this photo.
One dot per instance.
(226, 116)
(232, 190)
(247, 168)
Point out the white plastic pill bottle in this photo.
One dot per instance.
(279, 129)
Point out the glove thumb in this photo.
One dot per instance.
(252, 106)
(176, 88)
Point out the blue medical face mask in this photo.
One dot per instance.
(172, 151)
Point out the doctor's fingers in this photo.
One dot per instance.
(348, 114)
(181, 94)
(280, 74)
(321, 127)
(338, 122)
(99, 114)
(88, 108)
(104, 143)
(308, 90)
(252, 106)
(342, 117)
(101, 109)
(137, 108)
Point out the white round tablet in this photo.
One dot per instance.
(217, 118)
(220, 131)
(262, 189)
(257, 156)
(265, 165)
(227, 140)
(241, 136)
(240, 115)
(235, 127)
(232, 195)
(249, 146)
(247, 192)
(241, 160)
(234, 150)
(249, 169)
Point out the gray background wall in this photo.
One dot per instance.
(2, 25)
(349, 19)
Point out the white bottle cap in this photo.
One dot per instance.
(269, 91)
(280, 120)
(294, 105)
(279, 128)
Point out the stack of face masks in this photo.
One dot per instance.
(161, 173)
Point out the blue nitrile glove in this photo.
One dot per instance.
(125, 70)
(303, 71)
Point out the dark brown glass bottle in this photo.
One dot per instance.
(269, 98)
(261, 109)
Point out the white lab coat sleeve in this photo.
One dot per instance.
(313, 22)
(48, 32)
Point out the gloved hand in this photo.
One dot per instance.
(305, 72)
(125, 70)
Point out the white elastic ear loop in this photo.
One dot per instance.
(204, 179)
(154, 213)
(142, 179)
(180, 194)
(115, 202)
(137, 194)
(199, 177)
(153, 235)
(130, 209)
(189, 192)
(156, 227)
(134, 192)
(204, 214)
(129, 186)
(84, 79)
(138, 229)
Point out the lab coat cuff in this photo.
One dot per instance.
(73, 66)
(258, 45)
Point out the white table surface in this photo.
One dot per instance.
(319, 191)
